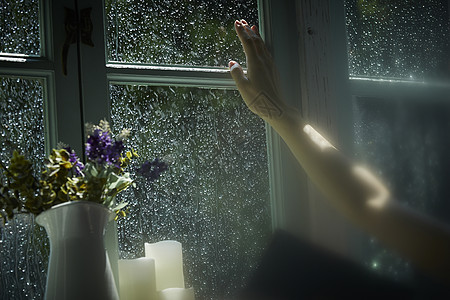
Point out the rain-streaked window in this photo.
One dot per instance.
(398, 39)
(405, 141)
(193, 32)
(19, 27)
(23, 244)
(214, 198)
(401, 129)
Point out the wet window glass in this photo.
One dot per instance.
(398, 39)
(23, 244)
(192, 32)
(402, 138)
(214, 198)
(19, 27)
(405, 142)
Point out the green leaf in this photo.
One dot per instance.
(119, 183)
(90, 171)
(120, 206)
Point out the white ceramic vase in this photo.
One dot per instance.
(79, 266)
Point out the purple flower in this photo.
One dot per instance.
(75, 161)
(101, 148)
(152, 169)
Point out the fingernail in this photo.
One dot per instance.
(233, 65)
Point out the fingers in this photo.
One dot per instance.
(251, 40)
(249, 37)
(243, 37)
(238, 75)
(255, 30)
(254, 27)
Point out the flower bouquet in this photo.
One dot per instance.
(74, 201)
(65, 178)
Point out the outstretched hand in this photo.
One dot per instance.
(260, 89)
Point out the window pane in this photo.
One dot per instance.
(406, 142)
(214, 198)
(192, 32)
(19, 27)
(397, 38)
(23, 244)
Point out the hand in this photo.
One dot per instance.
(260, 88)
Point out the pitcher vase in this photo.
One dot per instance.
(79, 266)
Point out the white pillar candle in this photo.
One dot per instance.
(168, 263)
(137, 279)
(177, 294)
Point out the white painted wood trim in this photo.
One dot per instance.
(288, 184)
(326, 104)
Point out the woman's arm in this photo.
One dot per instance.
(355, 192)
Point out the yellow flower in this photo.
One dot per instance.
(75, 188)
(20, 167)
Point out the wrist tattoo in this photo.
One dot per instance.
(265, 106)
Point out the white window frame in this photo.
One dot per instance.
(326, 104)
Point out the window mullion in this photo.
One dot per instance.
(64, 87)
(170, 75)
(288, 182)
(20, 64)
(94, 85)
(326, 104)
(45, 10)
(396, 88)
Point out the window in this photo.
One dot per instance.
(15, 16)
(22, 244)
(399, 68)
(194, 33)
(374, 80)
(215, 147)
(393, 39)
(25, 121)
(168, 83)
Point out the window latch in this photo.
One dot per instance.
(77, 30)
